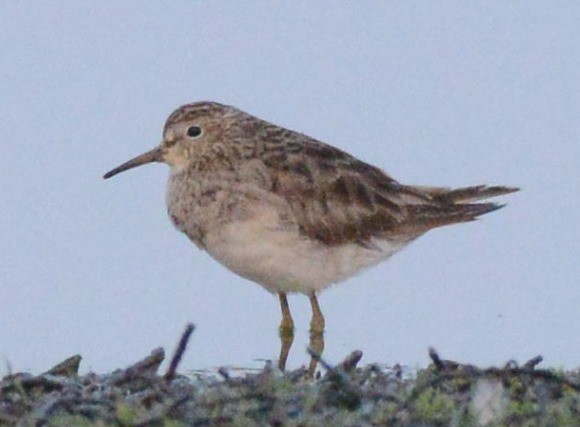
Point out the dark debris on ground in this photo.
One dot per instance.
(445, 393)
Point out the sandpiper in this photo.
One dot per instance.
(288, 212)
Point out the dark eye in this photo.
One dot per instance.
(194, 131)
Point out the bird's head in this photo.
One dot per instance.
(189, 131)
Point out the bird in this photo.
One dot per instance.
(289, 212)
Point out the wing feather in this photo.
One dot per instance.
(336, 198)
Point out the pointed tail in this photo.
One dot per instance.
(453, 206)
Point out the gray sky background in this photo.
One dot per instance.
(439, 93)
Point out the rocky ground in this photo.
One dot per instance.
(444, 394)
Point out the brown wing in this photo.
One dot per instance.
(336, 198)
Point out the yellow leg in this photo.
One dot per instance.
(317, 321)
(316, 332)
(286, 331)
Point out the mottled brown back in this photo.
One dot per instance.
(337, 198)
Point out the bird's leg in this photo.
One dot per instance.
(287, 324)
(286, 331)
(316, 332)
(317, 321)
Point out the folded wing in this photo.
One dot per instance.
(336, 198)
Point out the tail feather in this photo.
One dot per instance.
(478, 192)
(453, 206)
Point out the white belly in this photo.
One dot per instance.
(281, 260)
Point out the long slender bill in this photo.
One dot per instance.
(148, 157)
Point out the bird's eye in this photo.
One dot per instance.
(194, 131)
